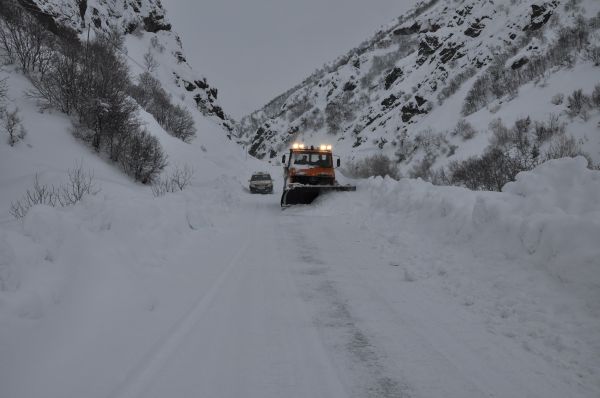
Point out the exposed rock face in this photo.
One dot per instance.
(146, 22)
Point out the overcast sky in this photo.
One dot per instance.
(253, 50)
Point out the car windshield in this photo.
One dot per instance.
(261, 177)
(311, 159)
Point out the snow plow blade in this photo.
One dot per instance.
(305, 194)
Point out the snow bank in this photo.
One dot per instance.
(550, 215)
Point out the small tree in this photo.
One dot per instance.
(143, 157)
(11, 124)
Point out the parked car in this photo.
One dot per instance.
(261, 182)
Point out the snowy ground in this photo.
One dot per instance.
(400, 289)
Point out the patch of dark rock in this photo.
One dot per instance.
(389, 101)
(474, 30)
(180, 57)
(349, 86)
(420, 100)
(392, 77)
(189, 86)
(217, 110)
(540, 15)
(358, 142)
(427, 46)
(213, 92)
(414, 28)
(155, 22)
(202, 84)
(451, 52)
(411, 110)
(519, 63)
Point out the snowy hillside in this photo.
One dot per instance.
(147, 30)
(409, 91)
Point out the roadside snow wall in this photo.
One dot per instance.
(551, 215)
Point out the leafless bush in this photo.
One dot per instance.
(593, 55)
(546, 130)
(558, 99)
(595, 97)
(464, 129)
(375, 165)
(156, 44)
(501, 135)
(80, 184)
(24, 40)
(422, 168)
(455, 84)
(11, 124)
(150, 62)
(38, 195)
(143, 157)
(151, 96)
(3, 90)
(564, 146)
(178, 180)
(577, 103)
(490, 172)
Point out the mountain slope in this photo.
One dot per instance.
(403, 91)
(149, 35)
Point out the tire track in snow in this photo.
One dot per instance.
(138, 379)
(338, 316)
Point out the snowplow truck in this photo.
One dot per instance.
(309, 172)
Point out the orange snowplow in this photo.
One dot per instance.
(309, 172)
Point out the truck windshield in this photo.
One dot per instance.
(305, 160)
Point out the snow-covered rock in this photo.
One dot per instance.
(147, 31)
(403, 91)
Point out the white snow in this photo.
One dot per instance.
(400, 289)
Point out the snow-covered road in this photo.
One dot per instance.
(400, 289)
(311, 305)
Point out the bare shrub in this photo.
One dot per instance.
(577, 103)
(39, 194)
(455, 84)
(464, 129)
(593, 54)
(80, 184)
(3, 90)
(501, 135)
(24, 40)
(565, 146)
(180, 123)
(375, 165)
(11, 124)
(178, 180)
(595, 97)
(546, 130)
(558, 99)
(422, 168)
(150, 62)
(489, 172)
(151, 96)
(142, 157)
